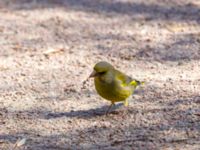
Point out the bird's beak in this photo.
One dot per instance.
(93, 74)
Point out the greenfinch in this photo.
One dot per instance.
(112, 84)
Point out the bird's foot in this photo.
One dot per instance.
(108, 110)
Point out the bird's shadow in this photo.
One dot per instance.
(101, 111)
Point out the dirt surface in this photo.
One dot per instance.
(48, 48)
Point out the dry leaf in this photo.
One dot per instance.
(182, 27)
(19, 143)
(3, 68)
(17, 47)
(1, 29)
(53, 51)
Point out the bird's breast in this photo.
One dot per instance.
(111, 91)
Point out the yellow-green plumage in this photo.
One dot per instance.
(112, 87)
(112, 84)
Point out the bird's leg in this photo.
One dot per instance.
(108, 110)
(126, 105)
(126, 102)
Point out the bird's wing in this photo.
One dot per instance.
(125, 80)
(122, 78)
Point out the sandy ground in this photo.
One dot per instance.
(48, 48)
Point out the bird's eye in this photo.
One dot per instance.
(101, 73)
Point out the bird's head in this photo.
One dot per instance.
(101, 68)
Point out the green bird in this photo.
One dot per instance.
(112, 84)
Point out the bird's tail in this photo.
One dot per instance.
(141, 83)
(137, 83)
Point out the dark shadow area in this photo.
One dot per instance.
(183, 48)
(189, 101)
(180, 47)
(154, 136)
(47, 114)
(176, 121)
(187, 12)
(34, 141)
(85, 113)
